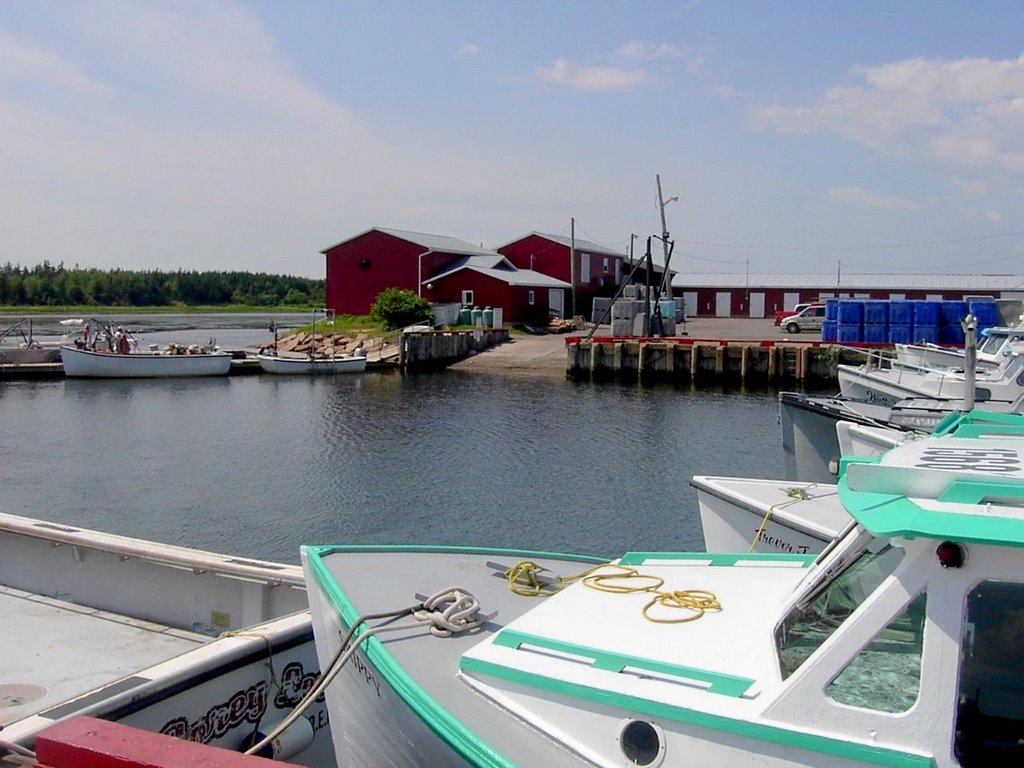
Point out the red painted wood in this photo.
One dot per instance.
(87, 742)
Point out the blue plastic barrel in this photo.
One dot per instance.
(900, 334)
(876, 312)
(901, 313)
(832, 309)
(926, 315)
(951, 333)
(951, 312)
(829, 330)
(851, 311)
(926, 334)
(849, 333)
(876, 334)
(985, 311)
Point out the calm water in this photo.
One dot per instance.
(258, 465)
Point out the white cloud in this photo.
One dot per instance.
(21, 61)
(873, 199)
(589, 78)
(967, 112)
(647, 51)
(469, 49)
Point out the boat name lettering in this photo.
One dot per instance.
(781, 544)
(364, 668)
(247, 705)
(976, 459)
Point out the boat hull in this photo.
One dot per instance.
(142, 365)
(172, 640)
(304, 366)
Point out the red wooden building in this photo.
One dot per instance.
(597, 271)
(441, 269)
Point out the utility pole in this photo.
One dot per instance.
(572, 266)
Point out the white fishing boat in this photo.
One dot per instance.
(898, 645)
(198, 645)
(752, 515)
(991, 347)
(105, 352)
(312, 365)
(313, 362)
(19, 345)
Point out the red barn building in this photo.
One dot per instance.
(523, 295)
(361, 267)
(597, 271)
(440, 269)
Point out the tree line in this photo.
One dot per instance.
(46, 285)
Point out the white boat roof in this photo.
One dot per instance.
(964, 484)
(580, 640)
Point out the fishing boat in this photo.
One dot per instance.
(105, 352)
(741, 514)
(19, 345)
(994, 343)
(897, 645)
(314, 362)
(203, 646)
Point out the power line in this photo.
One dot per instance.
(849, 247)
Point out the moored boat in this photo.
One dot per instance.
(171, 362)
(897, 645)
(198, 645)
(312, 365)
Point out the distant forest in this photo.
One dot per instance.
(55, 286)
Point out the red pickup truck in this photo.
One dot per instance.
(782, 314)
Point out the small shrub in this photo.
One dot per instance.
(397, 308)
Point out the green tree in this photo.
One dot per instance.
(397, 308)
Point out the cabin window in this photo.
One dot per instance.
(990, 714)
(886, 675)
(813, 620)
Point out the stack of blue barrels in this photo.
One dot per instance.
(901, 321)
(851, 322)
(830, 326)
(876, 322)
(950, 315)
(926, 321)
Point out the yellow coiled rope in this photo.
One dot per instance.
(526, 578)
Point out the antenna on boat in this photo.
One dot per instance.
(970, 326)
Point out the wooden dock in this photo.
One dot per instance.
(710, 361)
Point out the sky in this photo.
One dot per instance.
(816, 136)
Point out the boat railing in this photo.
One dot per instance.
(198, 561)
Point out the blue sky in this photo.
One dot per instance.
(797, 136)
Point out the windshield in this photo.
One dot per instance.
(813, 620)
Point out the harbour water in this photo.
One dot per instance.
(257, 466)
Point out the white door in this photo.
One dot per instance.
(689, 304)
(556, 306)
(723, 304)
(757, 305)
(789, 300)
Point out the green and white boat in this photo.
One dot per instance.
(898, 645)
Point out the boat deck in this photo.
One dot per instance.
(55, 651)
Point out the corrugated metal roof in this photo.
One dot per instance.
(895, 281)
(503, 271)
(581, 245)
(439, 243)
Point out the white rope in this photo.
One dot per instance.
(448, 612)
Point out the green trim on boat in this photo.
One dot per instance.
(810, 742)
(891, 514)
(727, 685)
(450, 730)
(717, 558)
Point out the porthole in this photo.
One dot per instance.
(641, 742)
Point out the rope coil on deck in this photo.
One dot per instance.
(524, 578)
